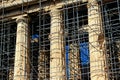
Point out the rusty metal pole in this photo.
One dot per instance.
(96, 42)
(21, 65)
(57, 52)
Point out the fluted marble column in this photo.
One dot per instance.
(96, 42)
(43, 65)
(57, 52)
(74, 59)
(11, 74)
(21, 65)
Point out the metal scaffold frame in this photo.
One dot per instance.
(60, 40)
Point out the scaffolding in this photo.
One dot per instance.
(59, 40)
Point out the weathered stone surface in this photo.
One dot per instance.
(57, 52)
(96, 42)
(22, 62)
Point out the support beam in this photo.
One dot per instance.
(7, 4)
(35, 8)
(22, 66)
(57, 52)
(12, 3)
(96, 42)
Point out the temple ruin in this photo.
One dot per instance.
(59, 40)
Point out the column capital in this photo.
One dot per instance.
(55, 11)
(25, 19)
(92, 3)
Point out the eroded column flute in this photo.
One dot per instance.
(96, 42)
(57, 52)
(22, 62)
